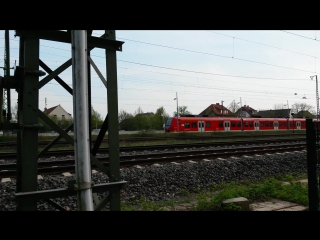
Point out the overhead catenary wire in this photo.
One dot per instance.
(179, 69)
(193, 71)
(300, 35)
(262, 44)
(181, 49)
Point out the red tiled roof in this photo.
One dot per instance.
(216, 109)
(49, 110)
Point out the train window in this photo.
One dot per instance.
(239, 124)
(233, 124)
(194, 125)
(267, 124)
(208, 124)
(261, 124)
(178, 121)
(284, 124)
(271, 124)
(291, 124)
(251, 124)
(280, 124)
(168, 122)
(246, 124)
(187, 125)
(302, 124)
(220, 124)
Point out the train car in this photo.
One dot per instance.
(219, 124)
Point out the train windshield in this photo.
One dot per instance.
(168, 123)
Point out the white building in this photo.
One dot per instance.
(58, 111)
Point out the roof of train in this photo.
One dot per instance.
(237, 119)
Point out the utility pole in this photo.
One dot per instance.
(81, 119)
(177, 112)
(288, 117)
(317, 122)
(241, 108)
(222, 107)
(241, 115)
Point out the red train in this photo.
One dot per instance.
(216, 124)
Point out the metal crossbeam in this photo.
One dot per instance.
(65, 192)
(55, 73)
(68, 138)
(104, 81)
(26, 82)
(57, 78)
(60, 36)
(54, 141)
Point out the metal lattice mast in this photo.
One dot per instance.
(6, 68)
(317, 99)
(317, 127)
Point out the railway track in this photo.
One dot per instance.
(57, 167)
(161, 147)
(147, 139)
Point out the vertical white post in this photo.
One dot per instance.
(177, 113)
(81, 119)
(241, 115)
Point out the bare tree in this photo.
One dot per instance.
(233, 106)
(14, 113)
(124, 115)
(297, 107)
(138, 111)
(280, 106)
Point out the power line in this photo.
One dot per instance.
(166, 82)
(204, 73)
(300, 35)
(183, 70)
(181, 49)
(262, 44)
(216, 74)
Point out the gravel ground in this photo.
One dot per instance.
(165, 182)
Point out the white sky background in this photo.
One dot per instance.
(210, 67)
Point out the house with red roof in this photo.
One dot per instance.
(58, 112)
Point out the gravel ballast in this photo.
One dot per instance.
(167, 181)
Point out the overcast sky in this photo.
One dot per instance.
(263, 68)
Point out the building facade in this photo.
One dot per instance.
(58, 112)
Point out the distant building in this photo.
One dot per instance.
(277, 113)
(246, 112)
(217, 110)
(58, 111)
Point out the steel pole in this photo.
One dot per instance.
(7, 75)
(177, 113)
(222, 108)
(81, 119)
(241, 115)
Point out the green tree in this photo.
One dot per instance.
(159, 118)
(142, 121)
(125, 120)
(182, 111)
(96, 119)
(62, 123)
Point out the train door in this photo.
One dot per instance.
(276, 125)
(200, 126)
(256, 125)
(227, 126)
(298, 125)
